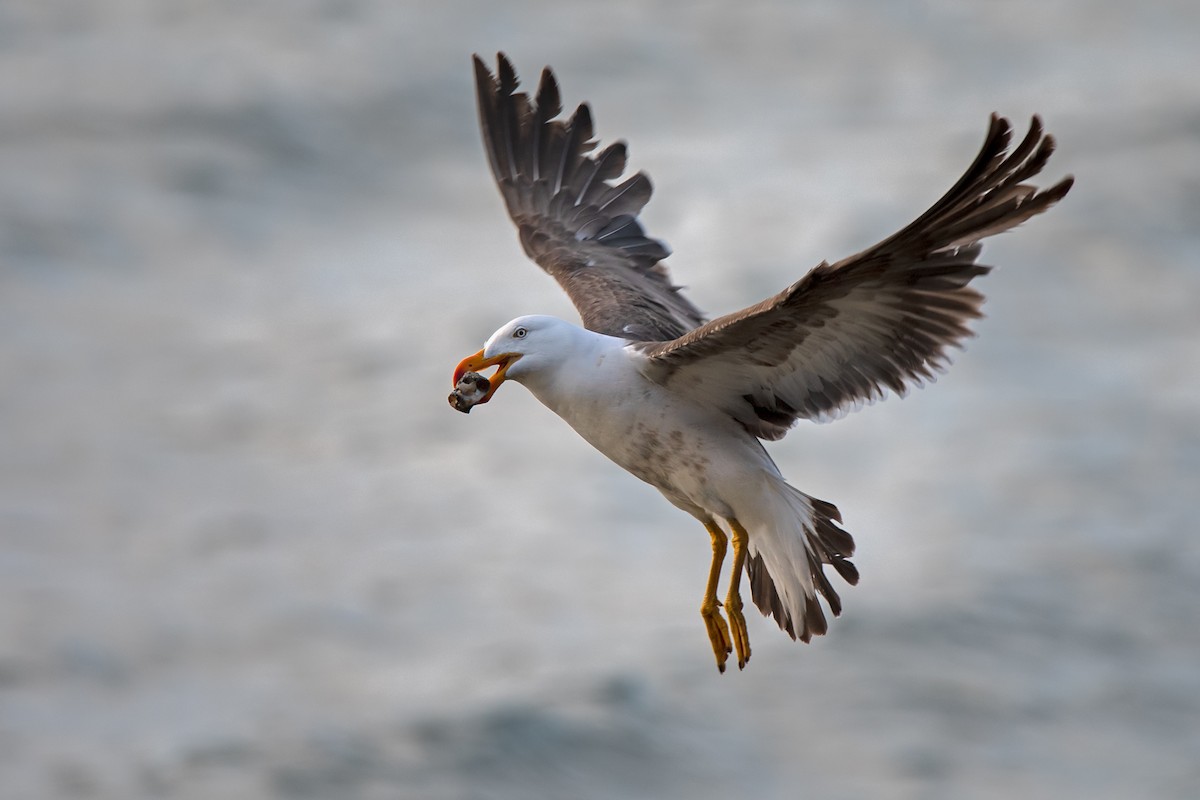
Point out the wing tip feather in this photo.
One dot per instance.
(560, 194)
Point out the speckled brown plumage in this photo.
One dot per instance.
(843, 335)
(573, 219)
(882, 319)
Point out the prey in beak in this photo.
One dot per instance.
(470, 387)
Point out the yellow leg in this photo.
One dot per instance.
(733, 601)
(718, 631)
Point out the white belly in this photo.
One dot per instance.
(696, 456)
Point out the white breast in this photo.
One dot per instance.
(691, 452)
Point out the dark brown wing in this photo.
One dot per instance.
(883, 319)
(574, 221)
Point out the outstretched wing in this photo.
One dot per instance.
(883, 319)
(574, 221)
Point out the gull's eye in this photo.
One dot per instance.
(519, 333)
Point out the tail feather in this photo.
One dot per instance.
(788, 550)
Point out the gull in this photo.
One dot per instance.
(684, 403)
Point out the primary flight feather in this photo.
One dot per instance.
(681, 402)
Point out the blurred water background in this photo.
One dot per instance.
(247, 550)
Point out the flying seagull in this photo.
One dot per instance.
(683, 402)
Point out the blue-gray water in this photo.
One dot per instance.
(247, 550)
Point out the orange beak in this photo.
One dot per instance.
(477, 363)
